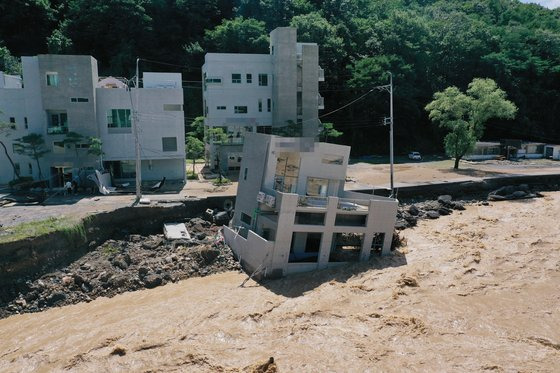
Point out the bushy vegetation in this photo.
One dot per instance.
(428, 45)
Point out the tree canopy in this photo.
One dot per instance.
(464, 115)
(428, 45)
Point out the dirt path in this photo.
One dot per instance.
(474, 291)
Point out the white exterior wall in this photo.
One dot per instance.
(77, 77)
(12, 104)
(259, 159)
(154, 124)
(228, 94)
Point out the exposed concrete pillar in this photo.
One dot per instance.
(326, 242)
(286, 218)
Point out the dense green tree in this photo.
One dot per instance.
(8, 63)
(327, 131)
(33, 146)
(464, 115)
(194, 148)
(5, 131)
(96, 149)
(113, 31)
(239, 35)
(25, 25)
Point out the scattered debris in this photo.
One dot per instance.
(118, 350)
(175, 231)
(408, 215)
(512, 192)
(131, 263)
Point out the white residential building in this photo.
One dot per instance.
(63, 93)
(260, 93)
(292, 213)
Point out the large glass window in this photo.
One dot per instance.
(287, 172)
(236, 78)
(58, 122)
(263, 79)
(119, 118)
(52, 79)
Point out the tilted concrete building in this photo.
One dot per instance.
(292, 213)
(246, 93)
(63, 93)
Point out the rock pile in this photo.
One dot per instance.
(135, 262)
(408, 215)
(512, 192)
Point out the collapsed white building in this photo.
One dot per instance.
(292, 213)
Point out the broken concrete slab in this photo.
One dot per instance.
(176, 231)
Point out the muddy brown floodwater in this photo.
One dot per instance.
(478, 290)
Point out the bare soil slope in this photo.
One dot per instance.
(476, 290)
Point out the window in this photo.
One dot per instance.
(58, 122)
(30, 168)
(260, 105)
(79, 99)
(82, 146)
(268, 105)
(240, 109)
(299, 103)
(13, 123)
(263, 80)
(169, 144)
(249, 78)
(236, 78)
(58, 147)
(52, 79)
(172, 107)
(127, 169)
(264, 129)
(25, 121)
(245, 173)
(287, 172)
(119, 118)
(317, 187)
(245, 218)
(221, 108)
(332, 159)
(213, 80)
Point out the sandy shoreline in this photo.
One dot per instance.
(487, 298)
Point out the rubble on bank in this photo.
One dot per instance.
(131, 263)
(511, 192)
(409, 214)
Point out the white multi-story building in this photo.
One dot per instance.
(261, 93)
(63, 93)
(292, 213)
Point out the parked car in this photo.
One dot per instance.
(415, 156)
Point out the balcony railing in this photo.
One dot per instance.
(321, 75)
(57, 130)
(347, 204)
(315, 202)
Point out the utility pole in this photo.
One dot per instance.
(391, 133)
(136, 137)
(389, 88)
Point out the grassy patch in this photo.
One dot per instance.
(110, 250)
(219, 182)
(73, 229)
(192, 176)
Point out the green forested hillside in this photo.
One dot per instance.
(427, 44)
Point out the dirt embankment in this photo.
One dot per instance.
(477, 290)
(132, 263)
